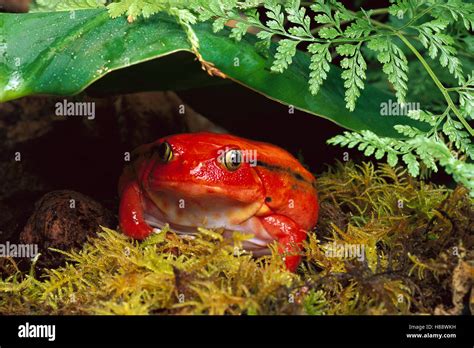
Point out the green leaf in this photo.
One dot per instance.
(392, 159)
(63, 56)
(358, 29)
(379, 154)
(323, 19)
(409, 131)
(412, 163)
(297, 15)
(423, 116)
(401, 7)
(320, 65)
(354, 73)
(277, 18)
(285, 52)
(460, 139)
(328, 33)
(395, 64)
(461, 171)
(239, 31)
(455, 11)
(432, 38)
(369, 150)
(346, 50)
(219, 24)
(427, 158)
(63, 5)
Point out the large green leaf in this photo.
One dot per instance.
(62, 53)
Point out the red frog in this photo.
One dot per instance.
(220, 181)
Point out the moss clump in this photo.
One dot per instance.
(416, 239)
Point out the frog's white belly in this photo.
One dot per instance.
(184, 215)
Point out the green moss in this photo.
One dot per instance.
(394, 218)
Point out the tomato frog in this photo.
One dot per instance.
(220, 181)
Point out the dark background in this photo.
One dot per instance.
(87, 156)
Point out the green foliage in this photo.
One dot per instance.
(284, 55)
(60, 5)
(320, 59)
(76, 65)
(354, 73)
(146, 8)
(114, 275)
(421, 148)
(346, 33)
(432, 37)
(315, 303)
(466, 97)
(420, 34)
(392, 216)
(395, 64)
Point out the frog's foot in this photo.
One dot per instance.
(290, 237)
(131, 217)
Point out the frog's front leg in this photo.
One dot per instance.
(131, 218)
(289, 235)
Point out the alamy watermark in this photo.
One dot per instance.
(237, 156)
(84, 109)
(28, 330)
(18, 250)
(346, 251)
(394, 108)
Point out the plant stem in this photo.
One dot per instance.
(462, 88)
(374, 12)
(434, 130)
(301, 39)
(437, 82)
(414, 19)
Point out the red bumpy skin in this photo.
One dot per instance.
(273, 197)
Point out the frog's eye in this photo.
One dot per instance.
(165, 152)
(232, 160)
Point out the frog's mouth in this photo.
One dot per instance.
(158, 225)
(156, 218)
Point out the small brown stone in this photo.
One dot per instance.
(63, 220)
